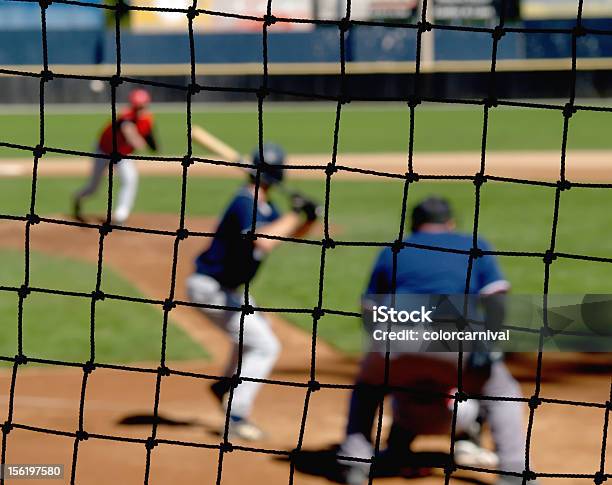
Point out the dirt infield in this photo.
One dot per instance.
(581, 165)
(566, 439)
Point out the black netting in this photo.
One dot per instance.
(410, 177)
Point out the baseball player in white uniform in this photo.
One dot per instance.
(232, 260)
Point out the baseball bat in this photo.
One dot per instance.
(209, 141)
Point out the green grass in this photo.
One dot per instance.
(58, 327)
(363, 129)
(512, 217)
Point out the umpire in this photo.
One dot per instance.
(231, 261)
(423, 270)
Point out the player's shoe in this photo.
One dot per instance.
(468, 453)
(76, 210)
(357, 473)
(243, 429)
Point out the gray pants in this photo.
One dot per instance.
(436, 372)
(260, 345)
(128, 178)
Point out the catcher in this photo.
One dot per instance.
(232, 260)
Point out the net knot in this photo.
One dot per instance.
(81, 435)
(121, 8)
(547, 332)
(168, 305)
(187, 161)
(317, 313)
(115, 157)
(461, 396)
(345, 24)
(314, 386)
(269, 20)
(150, 443)
(39, 151)
(498, 32)
(568, 110)
(89, 367)
(115, 80)
(564, 184)
(414, 101)
(330, 169)
(226, 447)
(192, 12)
(490, 102)
(529, 475)
(599, 478)
(329, 243)
(247, 309)
(549, 256)
(235, 381)
(44, 4)
(98, 295)
(579, 31)
(194, 88)
(450, 468)
(534, 402)
(479, 179)
(476, 253)
(397, 246)
(424, 27)
(262, 92)
(182, 234)
(412, 177)
(33, 219)
(163, 371)
(7, 427)
(46, 75)
(105, 229)
(23, 291)
(21, 359)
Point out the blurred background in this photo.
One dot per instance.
(304, 56)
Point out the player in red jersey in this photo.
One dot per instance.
(133, 132)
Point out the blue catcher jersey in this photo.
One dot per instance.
(426, 271)
(231, 259)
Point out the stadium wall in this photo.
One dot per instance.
(364, 44)
(234, 59)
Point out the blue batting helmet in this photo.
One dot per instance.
(271, 168)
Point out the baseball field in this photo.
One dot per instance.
(513, 217)
(308, 127)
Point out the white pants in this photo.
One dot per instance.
(128, 178)
(260, 346)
